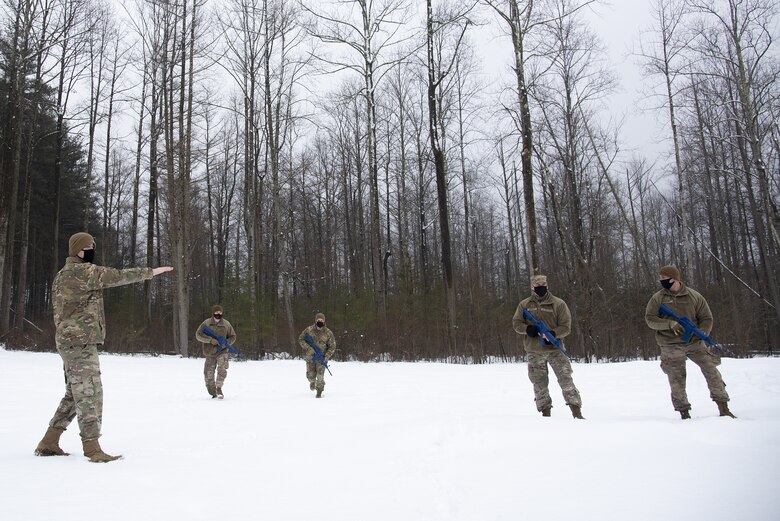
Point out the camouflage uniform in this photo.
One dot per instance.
(674, 351)
(555, 314)
(323, 337)
(79, 317)
(215, 360)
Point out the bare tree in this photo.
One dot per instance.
(116, 69)
(438, 70)
(101, 25)
(739, 35)
(24, 13)
(42, 34)
(74, 32)
(244, 38)
(664, 57)
(521, 19)
(371, 33)
(282, 35)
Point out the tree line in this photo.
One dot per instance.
(363, 159)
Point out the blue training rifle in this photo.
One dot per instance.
(318, 356)
(690, 328)
(545, 332)
(220, 340)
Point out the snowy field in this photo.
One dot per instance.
(393, 442)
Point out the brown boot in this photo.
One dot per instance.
(319, 393)
(576, 411)
(546, 411)
(50, 444)
(95, 454)
(685, 415)
(219, 393)
(723, 409)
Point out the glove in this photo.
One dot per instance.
(676, 328)
(214, 341)
(552, 334)
(532, 331)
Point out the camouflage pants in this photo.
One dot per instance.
(83, 391)
(316, 373)
(538, 374)
(218, 363)
(673, 364)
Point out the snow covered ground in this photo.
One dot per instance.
(393, 442)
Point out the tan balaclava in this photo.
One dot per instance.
(79, 241)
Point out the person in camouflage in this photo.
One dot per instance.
(324, 339)
(687, 302)
(79, 317)
(556, 315)
(216, 358)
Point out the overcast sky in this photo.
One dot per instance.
(619, 25)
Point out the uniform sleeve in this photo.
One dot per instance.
(652, 319)
(231, 335)
(103, 277)
(301, 342)
(703, 315)
(200, 335)
(563, 319)
(330, 347)
(518, 322)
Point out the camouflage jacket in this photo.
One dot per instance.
(223, 329)
(549, 309)
(686, 302)
(323, 337)
(77, 294)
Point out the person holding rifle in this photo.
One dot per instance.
(677, 346)
(555, 315)
(323, 338)
(216, 355)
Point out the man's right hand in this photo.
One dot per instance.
(161, 269)
(676, 328)
(214, 341)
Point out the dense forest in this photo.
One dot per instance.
(364, 159)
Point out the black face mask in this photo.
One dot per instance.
(89, 255)
(320, 324)
(540, 290)
(217, 316)
(667, 283)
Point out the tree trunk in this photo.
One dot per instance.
(441, 186)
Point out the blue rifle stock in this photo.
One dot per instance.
(318, 356)
(220, 339)
(690, 328)
(544, 331)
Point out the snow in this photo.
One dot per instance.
(391, 441)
